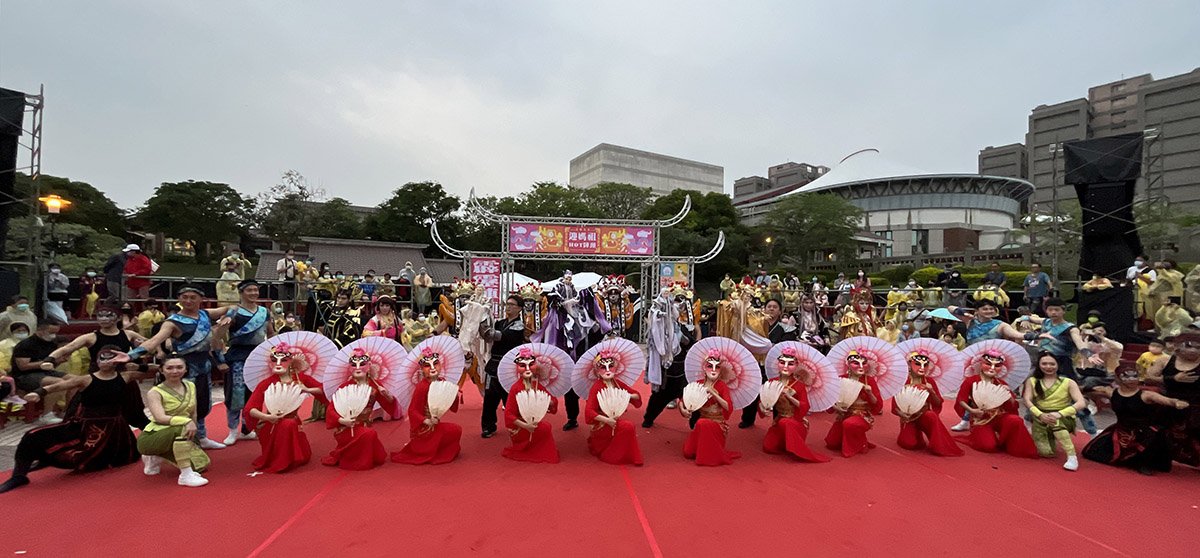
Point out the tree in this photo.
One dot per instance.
(614, 200)
(807, 224)
(76, 246)
(335, 219)
(89, 207)
(696, 234)
(204, 213)
(285, 212)
(546, 199)
(407, 215)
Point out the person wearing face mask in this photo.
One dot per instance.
(286, 271)
(108, 335)
(956, 289)
(17, 332)
(1141, 275)
(907, 331)
(227, 292)
(848, 434)
(150, 318)
(241, 265)
(28, 359)
(90, 287)
(919, 317)
(358, 446)
(1136, 440)
(531, 442)
(612, 440)
(18, 312)
(923, 429)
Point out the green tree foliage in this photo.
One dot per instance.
(335, 219)
(285, 212)
(614, 200)
(695, 235)
(76, 246)
(413, 207)
(89, 206)
(546, 199)
(807, 224)
(204, 213)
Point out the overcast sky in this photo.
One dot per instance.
(362, 97)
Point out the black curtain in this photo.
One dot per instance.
(12, 113)
(1104, 172)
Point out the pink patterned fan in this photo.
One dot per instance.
(885, 362)
(442, 351)
(382, 357)
(626, 357)
(1017, 366)
(945, 362)
(553, 367)
(310, 353)
(738, 368)
(821, 378)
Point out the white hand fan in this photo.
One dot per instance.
(283, 399)
(848, 392)
(989, 396)
(533, 405)
(694, 397)
(613, 401)
(911, 400)
(441, 397)
(771, 391)
(350, 401)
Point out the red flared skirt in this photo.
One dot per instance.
(706, 444)
(849, 435)
(1004, 433)
(284, 446)
(914, 433)
(535, 447)
(618, 446)
(433, 447)
(358, 449)
(788, 437)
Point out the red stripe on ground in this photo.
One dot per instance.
(291, 520)
(641, 514)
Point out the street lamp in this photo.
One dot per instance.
(54, 205)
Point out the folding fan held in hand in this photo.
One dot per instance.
(303, 352)
(734, 363)
(884, 362)
(848, 391)
(350, 401)
(819, 375)
(533, 405)
(1002, 359)
(613, 401)
(936, 360)
(989, 396)
(283, 399)
(695, 395)
(618, 357)
(442, 395)
(910, 401)
(770, 394)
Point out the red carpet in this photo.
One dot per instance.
(889, 502)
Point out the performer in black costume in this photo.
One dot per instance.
(507, 334)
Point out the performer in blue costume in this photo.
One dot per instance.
(190, 331)
(249, 325)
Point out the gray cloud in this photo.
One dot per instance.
(362, 97)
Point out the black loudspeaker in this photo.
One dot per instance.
(12, 114)
(10, 285)
(1104, 172)
(1116, 311)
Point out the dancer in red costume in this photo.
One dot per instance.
(1000, 429)
(849, 431)
(358, 446)
(612, 440)
(925, 423)
(788, 433)
(432, 441)
(284, 445)
(530, 442)
(706, 443)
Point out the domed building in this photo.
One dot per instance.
(907, 211)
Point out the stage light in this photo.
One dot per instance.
(55, 203)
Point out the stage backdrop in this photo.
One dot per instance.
(534, 238)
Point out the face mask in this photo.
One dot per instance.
(341, 276)
(55, 270)
(1138, 263)
(91, 274)
(21, 336)
(236, 255)
(903, 328)
(47, 337)
(23, 307)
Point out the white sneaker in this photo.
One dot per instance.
(190, 478)
(153, 464)
(962, 426)
(251, 436)
(1091, 407)
(231, 439)
(208, 444)
(671, 405)
(49, 418)
(1072, 463)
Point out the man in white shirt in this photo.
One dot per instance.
(285, 268)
